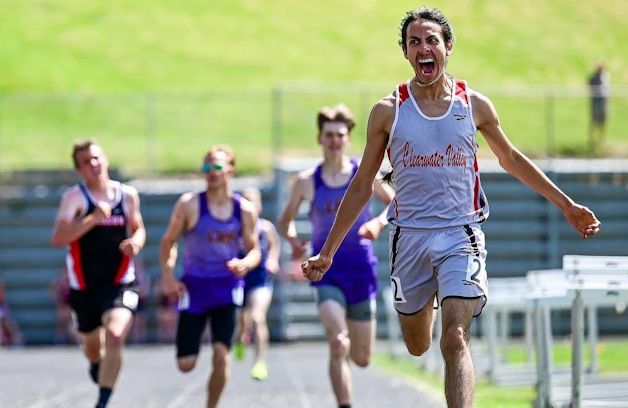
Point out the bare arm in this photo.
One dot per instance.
(67, 228)
(241, 267)
(133, 245)
(274, 247)
(168, 247)
(359, 191)
(301, 190)
(517, 164)
(384, 193)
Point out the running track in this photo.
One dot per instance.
(57, 377)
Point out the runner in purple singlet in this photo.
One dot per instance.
(212, 223)
(346, 295)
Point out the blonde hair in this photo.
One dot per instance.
(80, 146)
(224, 149)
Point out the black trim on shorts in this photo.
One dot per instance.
(409, 314)
(465, 297)
(482, 206)
(394, 249)
(424, 306)
(474, 244)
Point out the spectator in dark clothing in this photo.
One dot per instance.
(599, 84)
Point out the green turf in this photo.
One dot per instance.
(613, 358)
(613, 355)
(210, 66)
(486, 396)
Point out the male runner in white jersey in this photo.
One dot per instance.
(101, 223)
(428, 126)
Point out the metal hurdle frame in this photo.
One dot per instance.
(599, 281)
(506, 295)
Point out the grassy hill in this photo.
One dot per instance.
(209, 67)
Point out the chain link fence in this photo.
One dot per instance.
(163, 133)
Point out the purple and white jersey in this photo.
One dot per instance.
(355, 252)
(436, 171)
(212, 243)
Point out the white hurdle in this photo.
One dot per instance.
(595, 281)
(506, 296)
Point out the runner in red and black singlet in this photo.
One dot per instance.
(98, 251)
(100, 222)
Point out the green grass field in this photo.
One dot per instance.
(613, 358)
(174, 78)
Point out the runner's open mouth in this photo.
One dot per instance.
(427, 67)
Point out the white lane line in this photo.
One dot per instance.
(45, 388)
(189, 389)
(296, 380)
(63, 397)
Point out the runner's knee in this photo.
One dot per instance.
(114, 339)
(361, 358)
(258, 317)
(220, 359)
(186, 364)
(454, 340)
(339, 346)
(418, 346)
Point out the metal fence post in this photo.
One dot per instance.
(1, 150)
(593, 337)
(280, 292)
(277, 128)
(549, 125)
(490, 332)
(150, 131)
(541, 357)
(363, 104)
(553, 229)
(505, 334)
(529, 334)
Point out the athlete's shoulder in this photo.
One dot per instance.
(382, 116)
(73, 196)
(266, 225)
(130, 194)
(129, 190)
(477, 97)
(305, 176)
(483, 108)
(187, 200)
(73, 202)
(74, 191)
(386, 105)
(246, 206)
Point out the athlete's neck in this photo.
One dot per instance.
(101, 188)
(439, 90)
(219, 196)
(335, 164)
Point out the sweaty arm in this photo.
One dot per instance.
(517, 164)
(133, 245)
(179, 222)
(359, 191)
(67, 227)
(241, 267)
